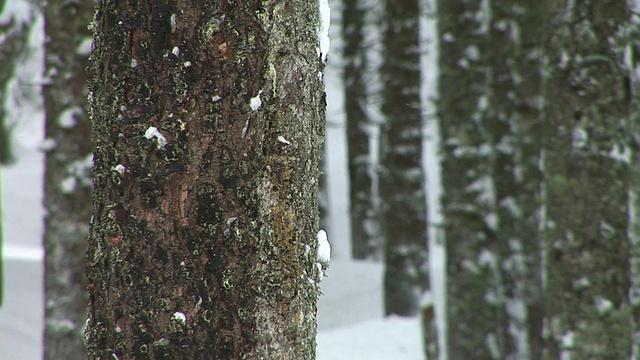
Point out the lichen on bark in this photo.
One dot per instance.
(213, 224)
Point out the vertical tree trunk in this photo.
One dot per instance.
(512, 128)
(469, 203)
(208, 122)
(633, 62)
(587, 179)
(67, 177)
(406, 275)
(364, 215)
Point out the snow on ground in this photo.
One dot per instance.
(383, 339)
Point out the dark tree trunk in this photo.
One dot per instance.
(587, 181)
(512, 127)
(475, 311)
(364, 214)
(67, 177)
(208, 123)
(406, 275)
(634, 190)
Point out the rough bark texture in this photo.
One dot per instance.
(203, 246)
(406, 275)
(67, 177)
(364, 215)
(586, 178)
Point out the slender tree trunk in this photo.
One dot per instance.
(406, 275)
(587, 179)
(514, 64)
(469, 203)
(208, 122)
(364, 215)
(67, 176)
(633, 63)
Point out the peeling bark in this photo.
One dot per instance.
(203, 239)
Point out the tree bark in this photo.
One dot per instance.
(469, 203)
(67, 185)
(587, 180)
(633, 61)
(406, 274)
(512, 127)
(208, 123)
(364, 214)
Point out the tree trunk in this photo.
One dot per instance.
(633, 49)
(67, 177)
(406, 275)
(512, 127)
(587, 181)
(13, 39)
(469, 202)
(364, 214)
(208, 123)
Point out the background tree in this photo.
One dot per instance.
(365, 222)
(469, 203)
(406, 274)
(67, 185)
(633, 48)
(208, 125)
(587, 181)
(511, 125)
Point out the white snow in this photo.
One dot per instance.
(255, 103)
(179, 316)
(68, 185)
(603, 305)
(67, 120)
(152, 132)
(85, 47)
(324, 248)
(22, 252)
(384, 339)
(172, 21)
(323, 29)
(283, 140)
(119, 168)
